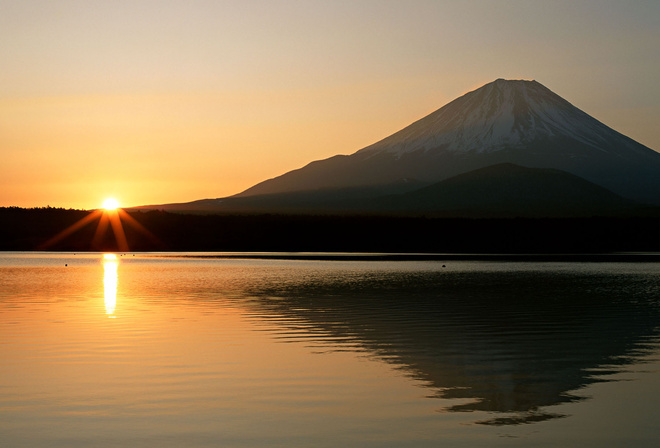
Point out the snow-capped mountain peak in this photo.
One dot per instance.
(502, 114)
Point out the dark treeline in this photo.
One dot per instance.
(31, 229)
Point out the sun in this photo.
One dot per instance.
(109, 215)
(111, 204)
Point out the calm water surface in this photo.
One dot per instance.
(171, 351)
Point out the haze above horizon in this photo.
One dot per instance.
(170, 101)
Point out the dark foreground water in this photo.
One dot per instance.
(173, 351)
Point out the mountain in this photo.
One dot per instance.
(505, 121)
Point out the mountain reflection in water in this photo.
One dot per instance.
(508, 343)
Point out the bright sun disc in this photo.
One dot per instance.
(110, 204)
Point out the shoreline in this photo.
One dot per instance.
(651, 257)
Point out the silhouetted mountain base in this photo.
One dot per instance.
(30, 229)
(504, 190)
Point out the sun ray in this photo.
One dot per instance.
(71, 229)
(137, 226)
(101, 230)
(107, 217)
(118, 230)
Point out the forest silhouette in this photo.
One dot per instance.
(31, 229)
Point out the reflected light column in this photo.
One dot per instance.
(110, 264)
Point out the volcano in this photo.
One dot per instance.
(504, 122)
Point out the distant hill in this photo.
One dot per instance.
(509, 190)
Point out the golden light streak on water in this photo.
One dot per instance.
(110, 277)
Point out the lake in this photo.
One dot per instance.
(201, 350)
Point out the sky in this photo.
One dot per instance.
(162, 101)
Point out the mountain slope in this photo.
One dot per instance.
(520, 122)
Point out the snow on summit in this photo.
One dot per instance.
(501, 114)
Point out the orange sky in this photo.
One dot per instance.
(171, 101)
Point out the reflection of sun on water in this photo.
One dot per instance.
(110, 264)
